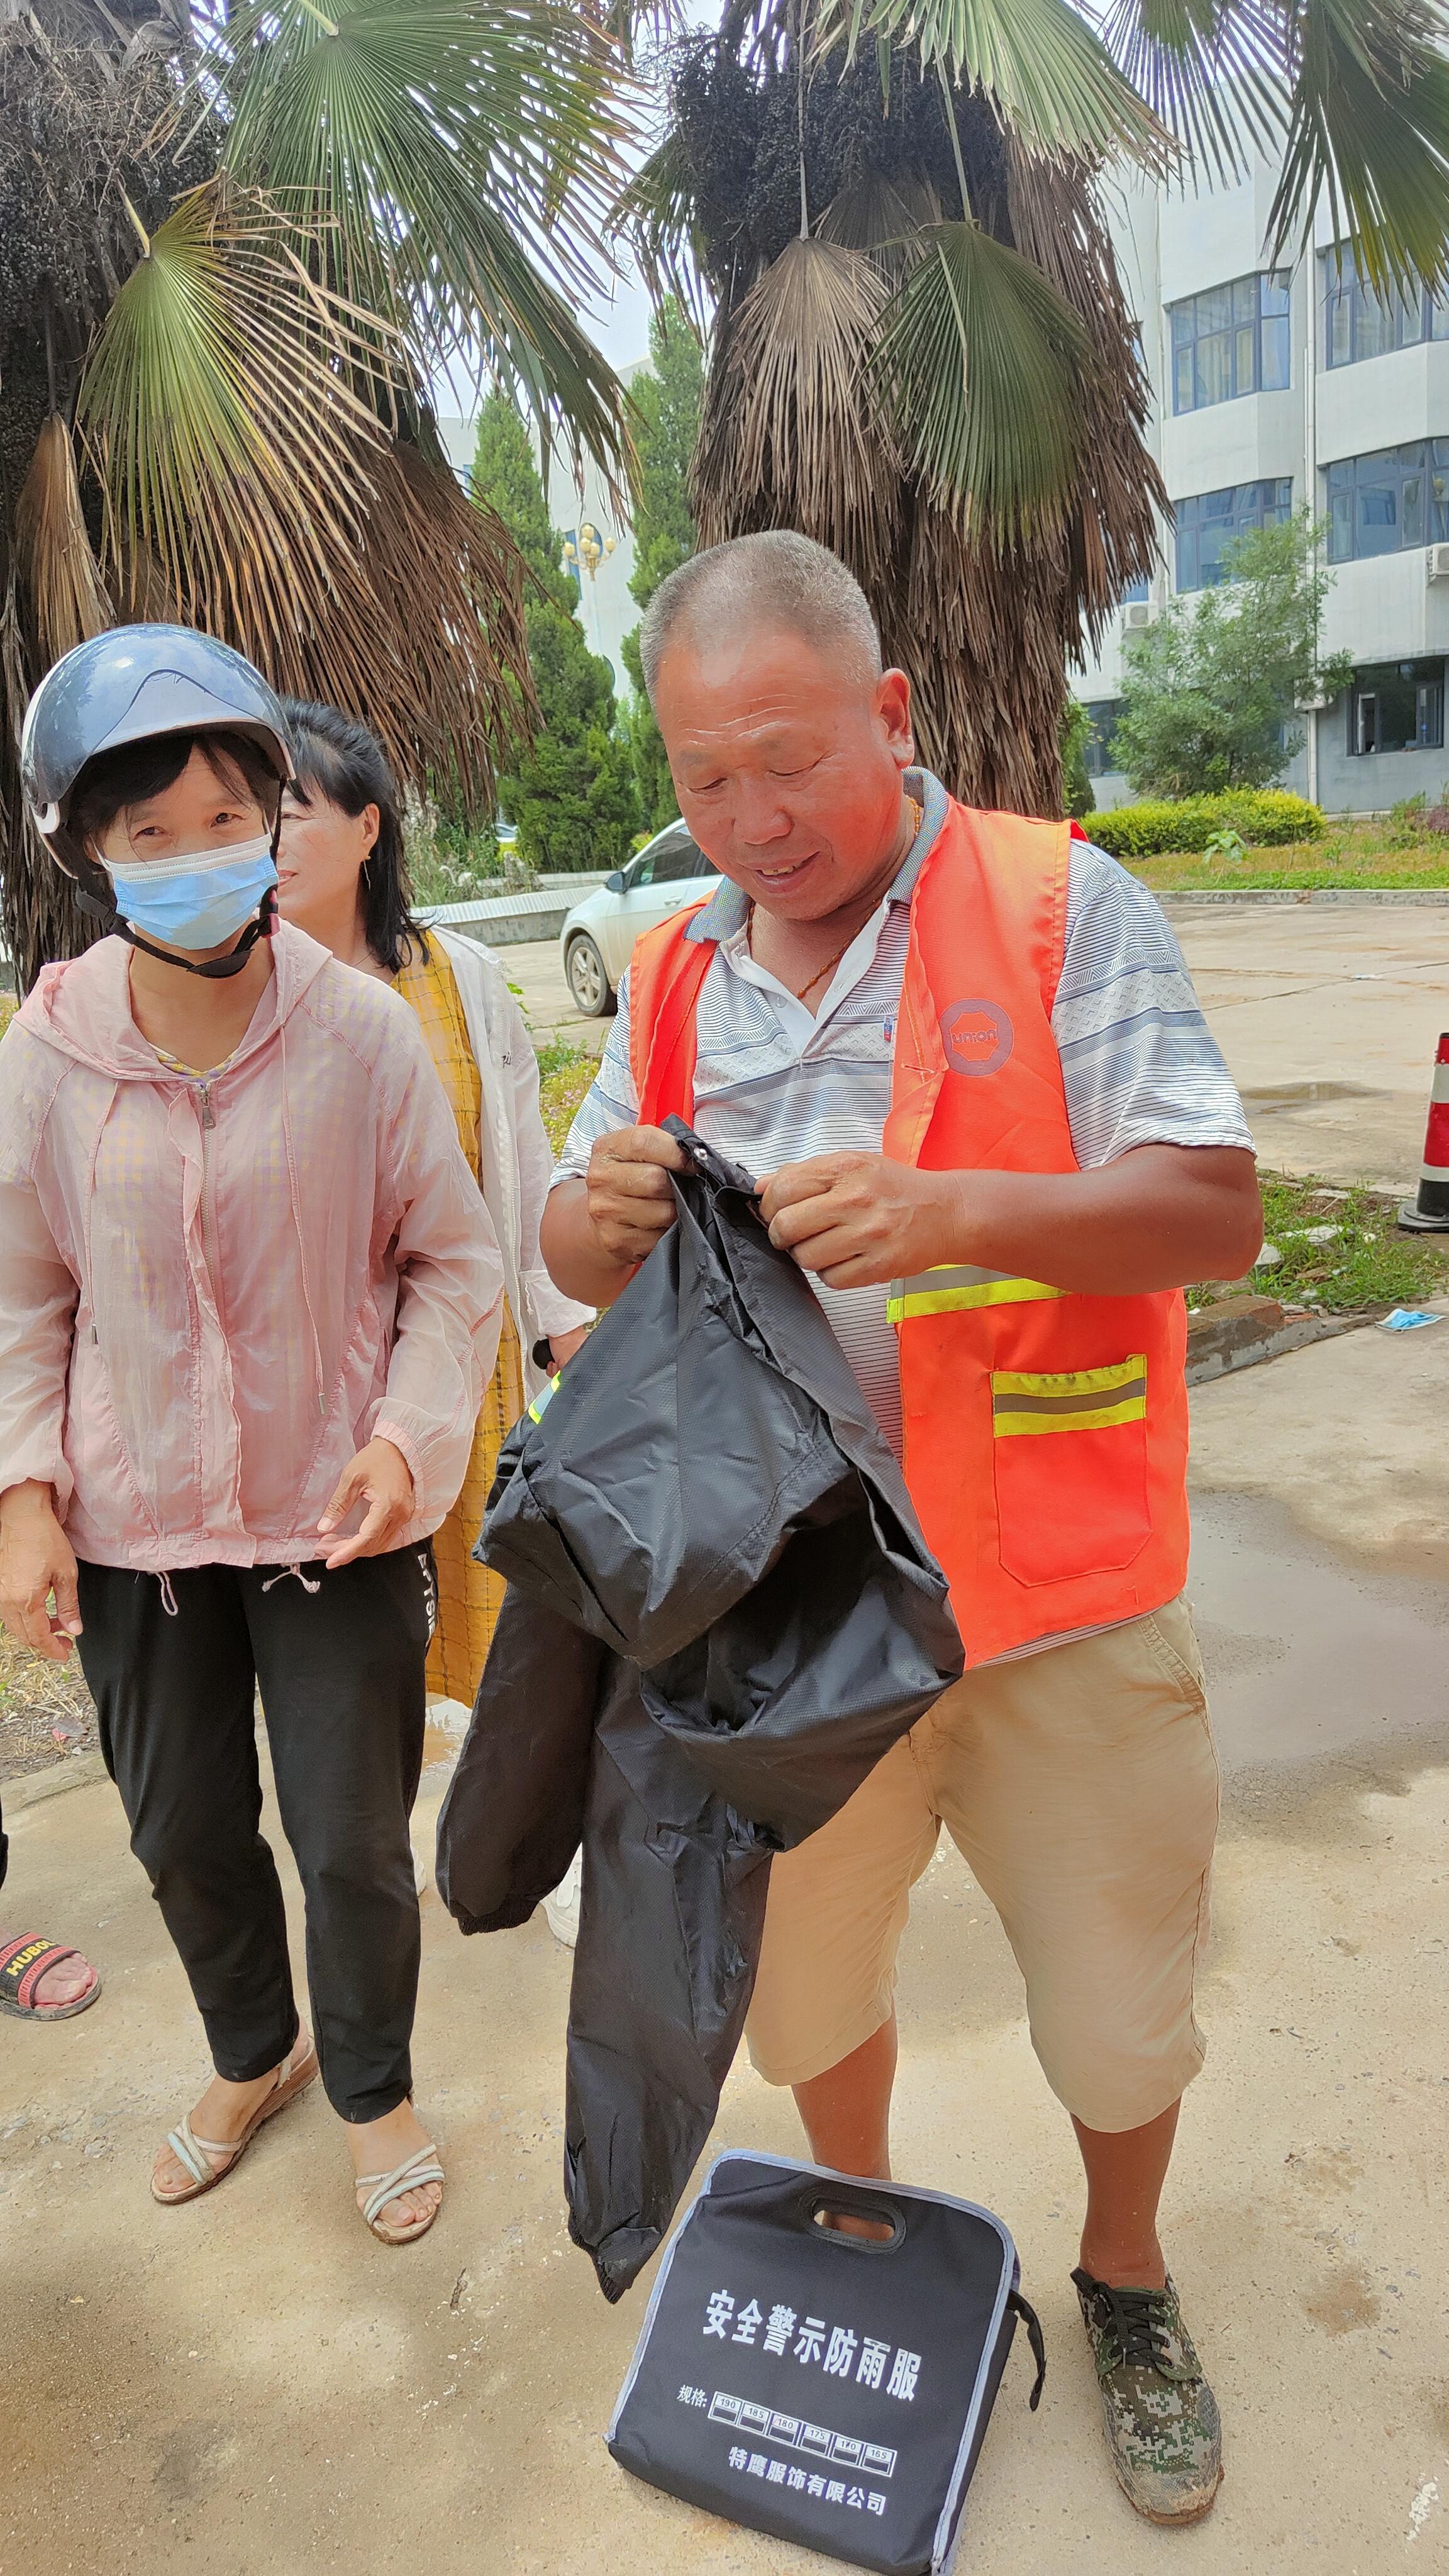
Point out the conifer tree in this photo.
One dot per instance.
(570, 791)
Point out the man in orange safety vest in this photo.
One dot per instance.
(962, 1053)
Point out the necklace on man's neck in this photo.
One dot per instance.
(917, 817)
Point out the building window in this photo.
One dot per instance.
(1102, 714)
(1135, 594)
(1357, 323)
(1396, 706)
(1398, 497)
(1230, 340)
(1209, 521)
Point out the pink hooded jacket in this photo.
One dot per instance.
(212, 1296)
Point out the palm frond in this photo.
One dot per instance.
(1368, 129)
(1049, 76)
(880, 216)
(1214, 71)
(981, 364)
(792, 433)
(244, 474)
(37, 903)
(1119, 497)
(463, 160)
(53, 556)
(655, 214)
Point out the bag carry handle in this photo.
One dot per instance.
(1032, 2322)
(853, 2200)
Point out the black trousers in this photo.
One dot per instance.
(339, 1658)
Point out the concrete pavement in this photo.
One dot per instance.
(1328, 1018)
(251, 2384)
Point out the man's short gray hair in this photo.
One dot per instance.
(777, 578)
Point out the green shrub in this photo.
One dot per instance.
(1264, 817)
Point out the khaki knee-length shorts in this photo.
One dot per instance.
(1080, 1786)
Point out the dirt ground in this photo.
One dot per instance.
(46, 1712)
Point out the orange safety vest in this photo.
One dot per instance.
(1045, 1431)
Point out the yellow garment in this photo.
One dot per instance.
(469, 1595)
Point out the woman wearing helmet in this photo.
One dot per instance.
(249, 1301)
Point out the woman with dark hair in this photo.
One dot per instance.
(343, 879)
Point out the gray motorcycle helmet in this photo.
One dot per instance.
(132, 684)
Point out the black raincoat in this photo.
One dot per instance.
(721, 1613)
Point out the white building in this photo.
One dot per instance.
(602, 556)
(1273, 389)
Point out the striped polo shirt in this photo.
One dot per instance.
(776, 1083)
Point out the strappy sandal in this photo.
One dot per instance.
(420, 2167)
(292, 2077)
(22, 1965)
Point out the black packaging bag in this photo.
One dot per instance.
(832, 2390)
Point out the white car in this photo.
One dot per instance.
(597, 939)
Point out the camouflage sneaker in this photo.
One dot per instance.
(1160, 2415)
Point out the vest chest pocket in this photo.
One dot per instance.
(1070, 1461)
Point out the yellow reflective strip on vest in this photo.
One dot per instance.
(544, 1399)
(1029, 1400)
(952, 1290)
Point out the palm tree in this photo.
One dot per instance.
(922, 352)
(239, 239)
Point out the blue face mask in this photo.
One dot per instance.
(199, 900)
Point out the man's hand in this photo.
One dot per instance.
(859, 1219)
(36, 1560)
(380, 1477)
(1158, 1217)
(630, 1201)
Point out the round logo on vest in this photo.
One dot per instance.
(977, 1036)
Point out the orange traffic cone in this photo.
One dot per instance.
(1430, 1211)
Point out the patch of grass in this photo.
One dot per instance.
(565, 1072)
(1365, 1266)
(1390, 851)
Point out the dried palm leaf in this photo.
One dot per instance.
(53, 556)
(792, 432)
(980, 629)
(41, 916)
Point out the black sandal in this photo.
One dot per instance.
(22, 1965)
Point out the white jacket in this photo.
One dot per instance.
(515, 1156)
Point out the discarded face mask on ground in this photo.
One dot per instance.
(721, 1614)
